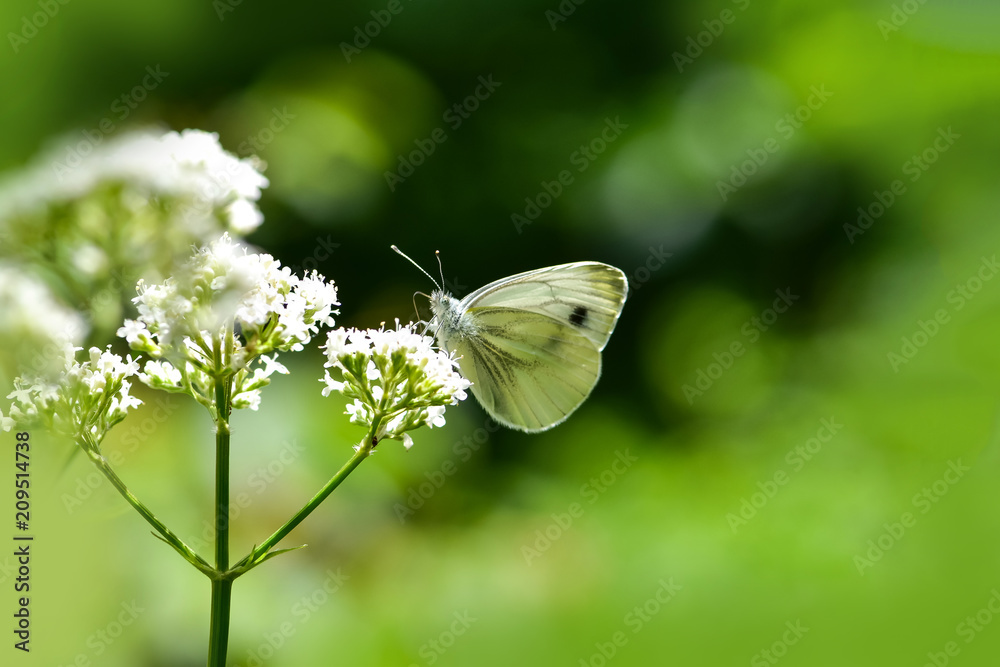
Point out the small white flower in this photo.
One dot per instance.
(243, 216)
(247, 400)
(89, 259)
(160, 374)
(22, 395)
(358, 412)
(336, 343)
(6, 423)
(435, 416)
(132, 331)
(123, 402)
(272, 365)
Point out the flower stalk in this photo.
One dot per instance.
(165, 533)
(222, 586)
(263, 552)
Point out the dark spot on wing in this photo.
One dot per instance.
(578, 316)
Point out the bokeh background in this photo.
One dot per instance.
(826, 496)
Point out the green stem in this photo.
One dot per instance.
(364, 451)
(168, 536)
(218, 641)
(222, 586)
(222, 436)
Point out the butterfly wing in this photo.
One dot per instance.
(586, 295)
(531, 343)
(529, 371)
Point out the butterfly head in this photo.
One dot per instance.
(448, 320)
(446, 308)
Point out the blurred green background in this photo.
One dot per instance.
(773, 456)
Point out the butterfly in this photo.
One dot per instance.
(531, 343)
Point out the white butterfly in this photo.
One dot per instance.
(531, 343)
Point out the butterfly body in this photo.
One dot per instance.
(531, 343)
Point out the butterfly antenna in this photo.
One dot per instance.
(407, 257)
(437, 253)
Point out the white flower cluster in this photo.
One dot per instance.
(95, 218)
(225, 309)
(191, 165)
(84, 401)
(395, 377)
(35, 330)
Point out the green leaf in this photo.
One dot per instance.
(277, 552)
